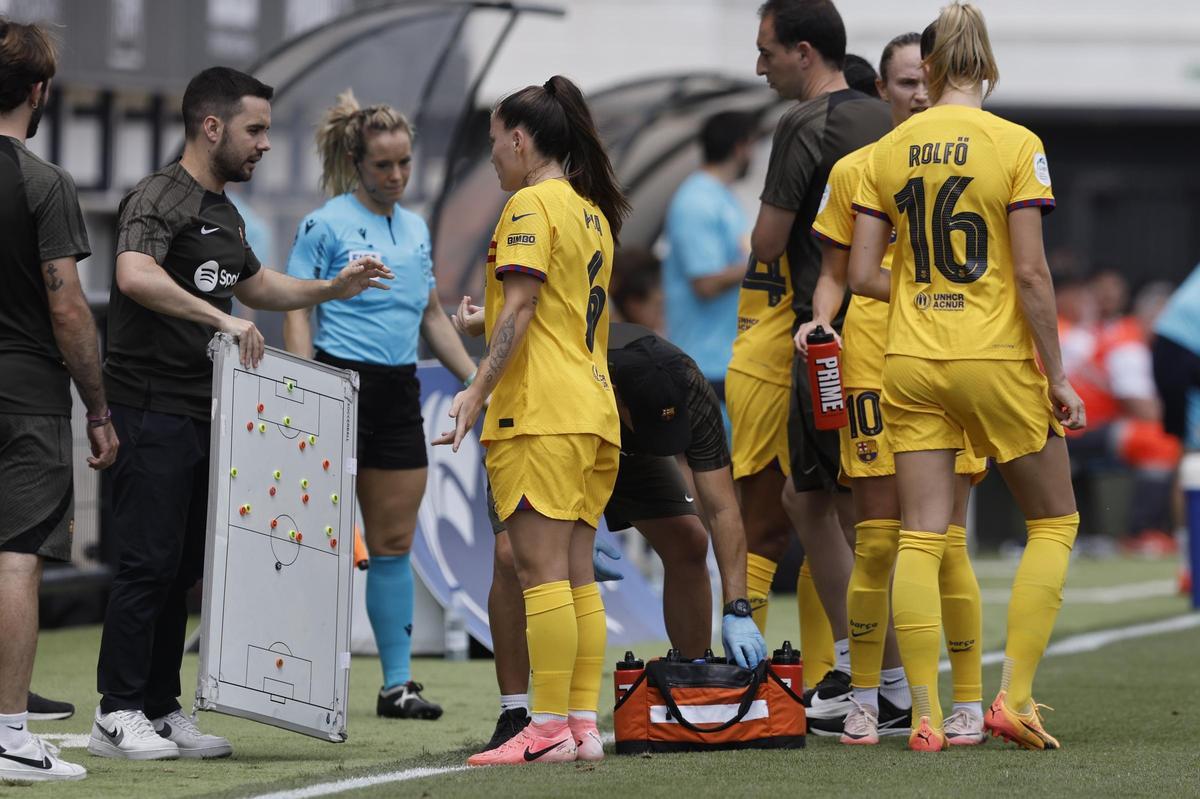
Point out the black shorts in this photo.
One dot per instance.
(1177, 376)
(37, 500)
(391, 433)
(814, 453)
(648, 487)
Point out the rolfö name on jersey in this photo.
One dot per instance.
(939, 152)
(829, 384)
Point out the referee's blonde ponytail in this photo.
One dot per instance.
(957, 53)
(342, 139)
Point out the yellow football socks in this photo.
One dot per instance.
(760, 572)
(918, 618)
(867, 600)
(1036, 598)
(553, 637)
(816, 635)
(962, 617)
(589, 656)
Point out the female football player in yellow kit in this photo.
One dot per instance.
(972, 308)
(881, 701)
(551, 428)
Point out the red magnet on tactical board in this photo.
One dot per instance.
(303, 444)
(260, 407)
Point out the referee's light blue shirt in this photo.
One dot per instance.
(705, 232)
(378, 327)
(1180, 319)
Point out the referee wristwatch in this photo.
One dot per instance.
(738, 607)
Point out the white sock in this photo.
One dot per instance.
(974, 708)
(548, 718)
(583, 715)
(13, 730)
(514, 701)
(841, 655)
(893, 685)
(867, 696)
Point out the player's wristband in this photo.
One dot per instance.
(470, 379)
(101, 419)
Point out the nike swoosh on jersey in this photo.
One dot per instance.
(531, 756)
(204, 231)
(522, 216)
(43, 764)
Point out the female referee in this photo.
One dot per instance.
(551, 427)
(881, 701)
(971, 307)
(366, 158)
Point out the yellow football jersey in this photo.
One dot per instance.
(864, 331)
(763, 346)
(557, 380)
(947, 179)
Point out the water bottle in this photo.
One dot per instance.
(626, 674)
(787, 664)
(458, 643)
(825, 380)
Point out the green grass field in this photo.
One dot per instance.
(1126, 714)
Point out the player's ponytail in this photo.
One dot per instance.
(557, 117)
(342, 139)
(957, 52)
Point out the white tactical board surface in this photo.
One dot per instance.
(275, 628)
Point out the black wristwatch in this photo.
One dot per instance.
(738, 607)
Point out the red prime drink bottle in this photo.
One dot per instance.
(825, 380)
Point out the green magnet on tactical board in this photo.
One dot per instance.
(277, 474)
(290, 386)
(312, 439)
(335, 499)
(233, 472)
(262, 428)
(304, 483)
(328, 531)
(287, 421)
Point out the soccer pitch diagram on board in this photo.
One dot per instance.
(275, 628)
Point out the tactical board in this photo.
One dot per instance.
(275, 626)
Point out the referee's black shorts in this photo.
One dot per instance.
(1177, 377)
(391, 433)
(648, 487)
(37, 501)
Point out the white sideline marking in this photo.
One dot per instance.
(1087, 642)
(1090, 642)
(64, 740)
(1099, 595)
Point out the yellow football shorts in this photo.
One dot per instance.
(866, 450)
(758, 415)
(569, 476)
(1002, 406)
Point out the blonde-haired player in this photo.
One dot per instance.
(881, 700)
(972, 309)
(552, 431)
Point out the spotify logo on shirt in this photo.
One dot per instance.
(209, 275)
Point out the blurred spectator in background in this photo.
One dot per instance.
(1077, 314)
(1176, 354)
(707, 235)
(636, 288)
(860, 75)
(1124, 412)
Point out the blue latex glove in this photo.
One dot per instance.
(744, 644)
(610, 550)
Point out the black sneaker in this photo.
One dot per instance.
(405, 702)
(42, 709)
(893, 720)
(828, 703)
(509, 724)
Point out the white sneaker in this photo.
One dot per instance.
(861, 725)
(36, 761)
(128, 734)
(187, 736)
(963, 728)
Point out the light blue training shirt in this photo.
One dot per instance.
(705, 232)
(378, 327)
(1180, 319)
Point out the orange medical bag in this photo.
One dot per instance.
(677, 705)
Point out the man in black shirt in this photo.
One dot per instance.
(667, 408)
(181, 258)
(802, 47)
(47, 337)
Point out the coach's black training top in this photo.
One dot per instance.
(810, 138)
(160, 362)
(707, 449)
(40, 221)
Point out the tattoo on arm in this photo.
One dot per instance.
(501, 347)
(53, 281)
